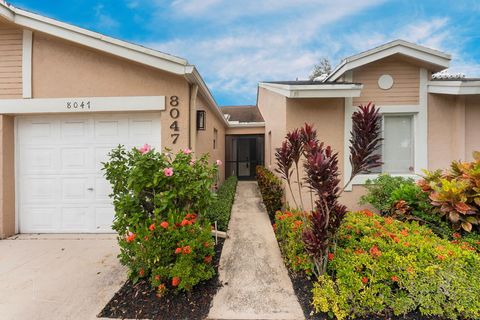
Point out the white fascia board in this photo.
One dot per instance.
(193, 76)
(6, 11)
(322, 90)
(434, 57)
(82, 105)
(454, 87)
(233, 124)
(98, 41)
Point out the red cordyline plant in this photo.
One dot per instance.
(323, 177)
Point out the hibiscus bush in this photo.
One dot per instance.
(159, 201)
(384, 266)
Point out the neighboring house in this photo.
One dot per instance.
(426, 123)
(69, 95)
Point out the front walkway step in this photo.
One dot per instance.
(255, 281)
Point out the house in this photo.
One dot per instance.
(427, 121)
(69, 95)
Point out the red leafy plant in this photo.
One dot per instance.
(323, 176)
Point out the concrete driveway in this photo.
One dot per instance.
(58, 276)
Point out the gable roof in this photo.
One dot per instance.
(120, 48)
(436, 60)
(313, 89)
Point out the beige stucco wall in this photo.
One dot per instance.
(7, 177)
(10, 61)
(273, 108)
(246, 130)
(443, 140)
(64, 69)
(204, 139)
(405, 90)
(472, 125)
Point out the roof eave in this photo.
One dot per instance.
(438, 60)
(454, 87)
(322, 90)
(246, 124)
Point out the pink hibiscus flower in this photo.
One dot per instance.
(146, 148)
(168, 172)
(219, 162)
(187, 151)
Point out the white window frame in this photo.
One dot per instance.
(420, 134)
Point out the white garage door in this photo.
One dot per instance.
(61, 188)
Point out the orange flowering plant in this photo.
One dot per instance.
(288, 228)
(160, 200)
(385, 266)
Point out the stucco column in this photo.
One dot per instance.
(459, 134)
(192, 140)
(7, 177)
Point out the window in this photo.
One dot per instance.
(398, 145)
(215, 138)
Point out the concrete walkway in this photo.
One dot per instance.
(58, 276)
(255, 281)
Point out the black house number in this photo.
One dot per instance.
(76, 105)
(174, 114)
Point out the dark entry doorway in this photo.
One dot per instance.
(242, 155)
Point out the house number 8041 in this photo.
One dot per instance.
(78, 105)
(174, 114)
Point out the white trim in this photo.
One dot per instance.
(454, 87)
(92, 39)
(420, 118)
(361, 179)
(438, 59)
(236, 124)
(97, 104)
(16, 173)
(193, 76)
(321, 90)
(27, 64)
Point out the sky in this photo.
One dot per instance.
(237, 43)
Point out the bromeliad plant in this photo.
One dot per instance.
(456, 193)
(323, 176)
(160, 200)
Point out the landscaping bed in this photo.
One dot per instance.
(139, 301)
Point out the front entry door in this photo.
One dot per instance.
(243, 155)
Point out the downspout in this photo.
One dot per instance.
(192, 139)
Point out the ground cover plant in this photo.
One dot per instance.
(221, 208)
(160, 199)
(271, 189)
(385, 266)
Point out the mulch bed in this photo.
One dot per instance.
(139, 301)
(302, 286)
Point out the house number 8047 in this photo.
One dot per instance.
(174, 114)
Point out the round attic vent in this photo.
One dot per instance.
(385, 82)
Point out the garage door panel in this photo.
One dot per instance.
(38, 159)
(103, 218)
(39, 189)
(76, 158)
(75, 219)
(60, 178)
(40, 219)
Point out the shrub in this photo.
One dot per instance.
(288, 229)
(271, 189)
(157, 197)
(222, 206)
(456, 193)
(379, 191)
(323, 176)
(382, 265)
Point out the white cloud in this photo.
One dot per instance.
(234, 61)
(104, 21)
